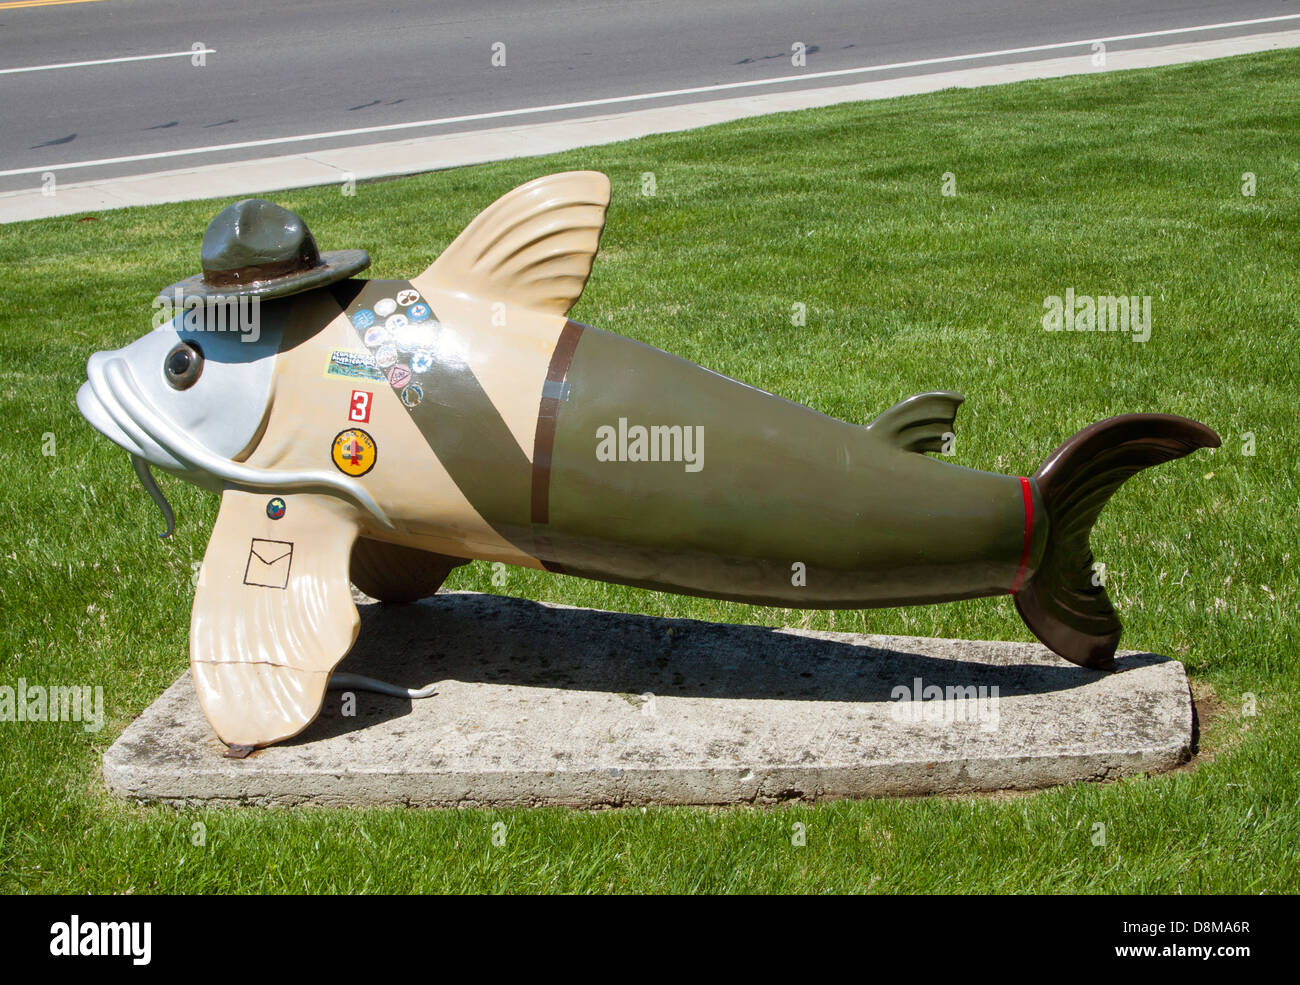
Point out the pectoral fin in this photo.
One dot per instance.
(273, 613)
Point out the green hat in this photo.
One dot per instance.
(257, 248)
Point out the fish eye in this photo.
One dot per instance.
(183, 365)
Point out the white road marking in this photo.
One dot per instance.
(638, 97)
(110, 61)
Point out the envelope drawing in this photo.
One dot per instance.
(268, 563)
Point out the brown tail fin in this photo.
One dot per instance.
(1060, 603)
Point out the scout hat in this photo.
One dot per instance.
(257, 248)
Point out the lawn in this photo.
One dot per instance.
(1119, 183)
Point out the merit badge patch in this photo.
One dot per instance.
(386, 356)
(421, 361)
(408, 296)
(399, 376)
(412, 395)
(409, 338)
(385, 307)
(419, 312)
(364, 318)
(353, 452)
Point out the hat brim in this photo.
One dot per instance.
(334, 266)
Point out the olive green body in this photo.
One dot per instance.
(789, 507)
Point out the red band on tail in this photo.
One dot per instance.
(1027, 491)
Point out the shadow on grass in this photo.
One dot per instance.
(495, 639)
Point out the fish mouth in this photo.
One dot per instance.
(112, 402)
(100, 404)
(92, 409)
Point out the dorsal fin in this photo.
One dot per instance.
(532, 247)
(919, 423)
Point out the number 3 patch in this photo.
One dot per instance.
(359, 407)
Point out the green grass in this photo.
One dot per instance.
(1125, 183)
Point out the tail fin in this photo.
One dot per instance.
(1060, 603)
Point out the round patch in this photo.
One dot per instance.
(409, 338)
(419, 312)
(354, 452)
(399, 376)
(385, 307)
(386, 356)
(376, 335)
(407, 296)
(363, 318)
(412, 395)
(421, 361)
(275, 508)
(394, 322)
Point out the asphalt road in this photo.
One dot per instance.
(303, 67)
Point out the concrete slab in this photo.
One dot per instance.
(544, 704)
(457, 149)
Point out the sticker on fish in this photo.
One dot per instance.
(359, 406)
(412, 395)
(349, 365)
(353, 452)
(420, 335)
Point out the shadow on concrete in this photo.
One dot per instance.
(497, 639)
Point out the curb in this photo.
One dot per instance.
(441, 151)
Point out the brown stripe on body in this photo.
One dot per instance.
(548, 414)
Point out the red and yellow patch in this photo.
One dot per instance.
(354, 452)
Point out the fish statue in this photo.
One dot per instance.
(382, 432)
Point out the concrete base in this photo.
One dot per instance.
(543, 704)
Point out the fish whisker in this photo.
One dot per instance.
(342, 681)
(151, 487)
